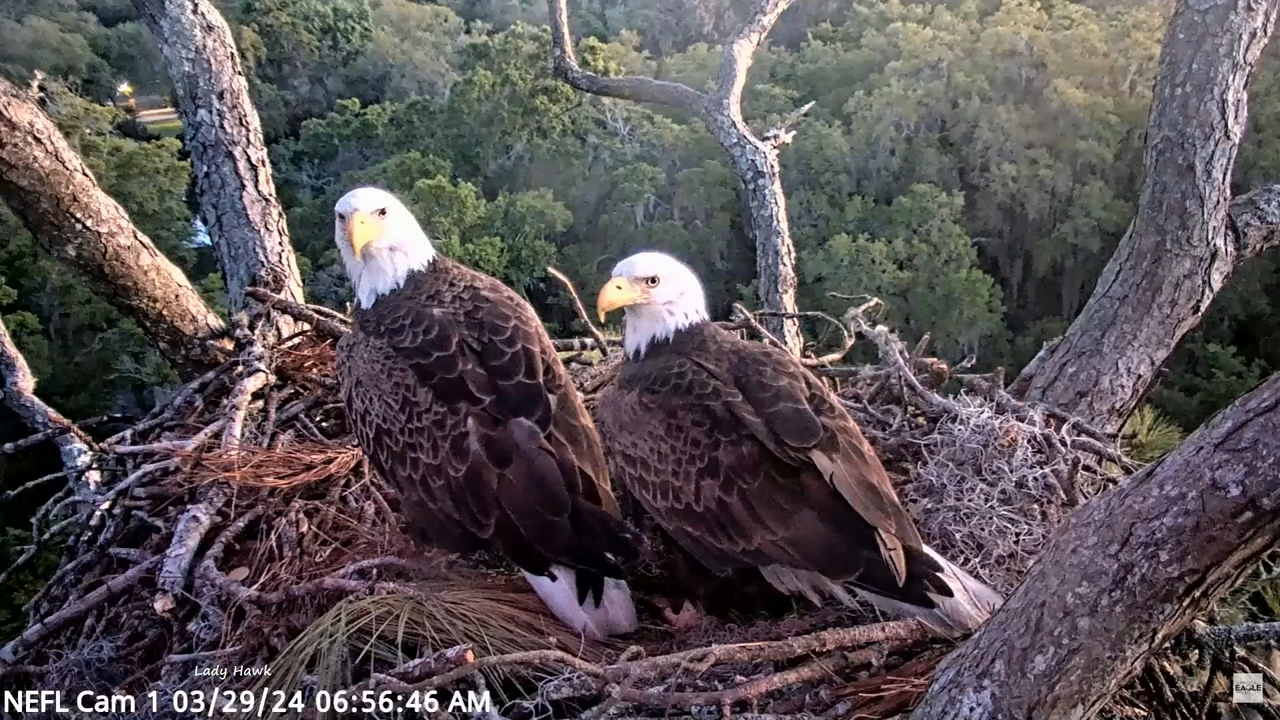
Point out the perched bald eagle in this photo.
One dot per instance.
(459, 400)
(747, 459)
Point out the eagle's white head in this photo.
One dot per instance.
(661, 296)
(380, 242)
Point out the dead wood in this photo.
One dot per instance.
(754, 158)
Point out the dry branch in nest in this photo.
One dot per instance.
(237, 524)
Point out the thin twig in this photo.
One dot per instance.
(743, 315)
(601, 343)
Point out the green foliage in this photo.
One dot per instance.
(972, 163)
(1205, 378)
(90, 45)
(1148, 435)
(26, 582)
(920, 261)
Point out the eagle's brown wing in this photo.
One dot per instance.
(452, 397)
(748, 460)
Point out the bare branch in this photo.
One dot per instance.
(109, 590)
(191, 529)
(1255, 217)
(639, 89)
(755, 161)
(24, 443)
(739, 55)
(20, 395)
(601, 343)
(310, 314)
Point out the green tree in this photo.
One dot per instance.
(915, 255)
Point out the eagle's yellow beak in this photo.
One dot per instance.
(362, 230)
(617, 293)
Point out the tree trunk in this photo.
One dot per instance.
(1124, 575)
(47, 185)
(754, 159)
(236, 193)
(1182, 247)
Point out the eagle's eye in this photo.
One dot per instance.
(652, 281)
(342, 217)
(381, 212)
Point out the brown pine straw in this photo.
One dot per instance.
(297, 464)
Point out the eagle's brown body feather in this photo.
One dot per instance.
(459, 400)
(749, 460)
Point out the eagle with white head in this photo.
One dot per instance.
(458, 398)
(748, 460)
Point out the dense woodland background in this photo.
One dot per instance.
(972, 163)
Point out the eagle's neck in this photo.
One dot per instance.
(649, 324)
(385, 270)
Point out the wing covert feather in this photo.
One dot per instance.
(744, 457)
(461, 403)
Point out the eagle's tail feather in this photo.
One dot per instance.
(970, 605)
(615, 615)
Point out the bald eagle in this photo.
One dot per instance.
(748, 460)
(456, 395)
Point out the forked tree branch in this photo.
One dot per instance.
(1188, 234)
(754, 160)
(739, 54)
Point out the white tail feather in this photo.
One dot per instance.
(971, 605)
(615, 615)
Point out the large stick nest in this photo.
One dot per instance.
(238, 525)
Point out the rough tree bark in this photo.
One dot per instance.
(1124, 575)
(754, 159)
(1183, 244)
(47, 185)
(236, 193)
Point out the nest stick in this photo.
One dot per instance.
(166, 411)
(601, 343)
(576, 344)
(897, 633)
(109, 590)
(11, 494)
(324, 320)
(846, 345)
(191, 529)
(175, 446)
(50, 434)
(402, 678)
(750, 690)
(744, 316)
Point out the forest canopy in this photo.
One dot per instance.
(973, 164)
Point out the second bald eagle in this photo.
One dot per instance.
(748, 460)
